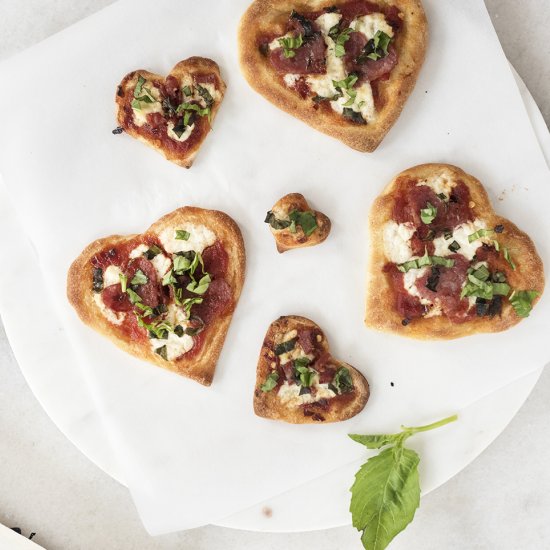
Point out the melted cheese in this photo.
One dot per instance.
(460, 235)
(111, 276)
(200, 237)
(184, 136)
(140, 115)
(289, 394)
(112, 316)
(162, 264)
(440, 183)
(396, 238)
(370, 24)
(176, 345)
(138, 251)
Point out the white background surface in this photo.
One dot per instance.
(35, 479)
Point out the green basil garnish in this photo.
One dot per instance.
(147, 96)
(275, 222)
(376, 48)
(123, 281)
(354, 116)
(134, 296)
(205, 94)
(508, 258)
(291, 43)
(182, 235)
(522, 301)
(285, 347)
(425, 261)
(139, 278)
(153, 251)
(187, 91)
(200, 287)
(454, 246)
(270, 382)
(303, 375)
(306, 220)
(340, 40)
(342, 381)
(428, 214)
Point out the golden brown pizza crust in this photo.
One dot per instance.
(284, 239)
(270, 16)
(191, 66)
(268, 405)
(201, 367)
(380, 310)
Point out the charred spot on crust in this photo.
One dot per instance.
(120, 91)
(264, 49)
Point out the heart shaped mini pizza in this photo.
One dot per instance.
(173, 114)
(443, 264)
(168, 295)
(298, 380)
(345, 67)
(295, 225)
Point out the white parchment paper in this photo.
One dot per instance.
(192, 454)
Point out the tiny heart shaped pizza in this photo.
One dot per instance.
(443, 264)
(345, 67)
(298, 380)
(173, 114)
(166, 296)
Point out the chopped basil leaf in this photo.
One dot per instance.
(481, 273)
(424, 261)
(376, 48)
(179, 128)
(134, 296)
(303, 375)
(201, 287)
(275, 222)
(354, 116)
(291, 43)
(306, 220)
(153, 251)
(499, 277)
(522, 301)
(169, 278)
(137, 90)
(442, 196)
(319, 98)
(97, 284)
(334, 31)
(341, 39)
(342, 381)
(501, 289)
(447, 234)
(205, 94)
(479, 234)
(123, 281)
(508, 258)
(189, 302)
(454, 246)
(270, 382)
(292, 227)
(182, 235)
(139, 278)
(301, 362)
(181, 264)
(147, 96)
(285, 347)
(193, 107)
(162, 352)
(187, 91)
(179, 331)
(347, 83)
(428, 214)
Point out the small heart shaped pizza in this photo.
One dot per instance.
(298, 380)
(345, 67)
(295, 225)
(443, 264)
(166, 296)
(173, 114)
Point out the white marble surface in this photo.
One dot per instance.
(500, 502)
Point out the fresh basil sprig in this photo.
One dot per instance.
(270, 382)
(291, 43)
(386, 491)
(339, 42)
(342, 381)
(275, 222)
(140, 89)
(306, 220)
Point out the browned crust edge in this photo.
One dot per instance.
(284, 239)
(192, 65)
(267, 405)
(267, 16)
(380, 312)
(201, 367)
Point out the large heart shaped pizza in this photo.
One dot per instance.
(443, 264)
(299, 381)
(173, 114)
(168, 295)
(345, 67)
